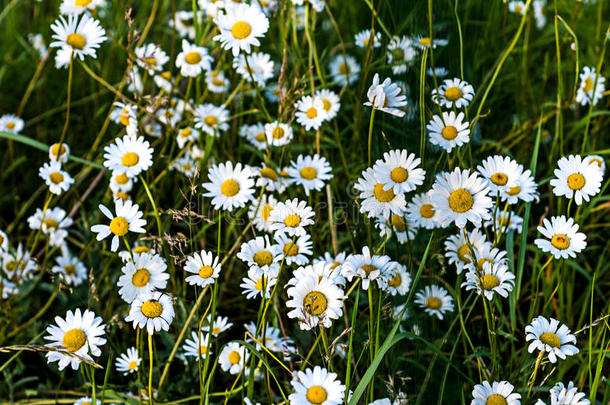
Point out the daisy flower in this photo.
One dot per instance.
(259, 252)
(153, 311)
(186, 135)
(315, 301)
(434, 300)
(310, 112)
(401, 280)
(395, 224)
(591, 87)
(142, 275)
(3, 242)
(316, 386)
(377, 201)
(449, 131)
(230, 187)
(458, 248)
(344, 69)
(294, 252)
(400, 52)
(87, 401)
(79, 334)
(575, 178)
(257, 66)
(259, 282)
(421, 212)
(203, 268)
(386, 97)
(128, 362)
(311, 172)
(548, 336)
(495, 393)
(438, 71)
(130, 155)
(240, 27)
(320, 268)
(58, 152)
(197, 346)
(126, 115)
(72, 270)
(185, 23)
(217, 82)
(461, 197)
(260, 213)
(17, 264)
(488, 279)
(68, 7)
(120, 182)
(506, 221)
(151, 57)
(221, 324)
(330, 101)
(11, 123)
(78, 36)
(58, 180)
(539, 13)
(53, 222)
(268, 177)
(255, 134)
(596, 160)
(524, 189)
(278, 134)
(291, 217)
(193, 60)
(562, 237)
(517, 7)
(422, 42)
(128, 219)
(271, 338)
(399, 170)
(364, 38)
(453, 93)
(211, 119)
(335, 262)
(232, 358)
(562, 395)
(501, 173)
(377, 268)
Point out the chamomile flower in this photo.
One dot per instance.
(422, 42)
(128, 218)
(233, 358)
(524, 189)
(217, 82)
(255, 134)
(320, 268)
(592, 87)
(79, 334)
(596, 160)
(11, 123)
(461, 197)
(17, 265)
(197, 346)
(38, 43)
(310, 112)
(256, 66)
(78, 36)
(400, 53)
(399, 170)
(377, 268)
(211, 119)
(193, 60)
(271, 338)
(495, 393)
(330, 102)
(278, 134)
(142, 275)
(153, 311)
(59, 152)
(126, 115)
(501, 173)
(386, 97)
(120, 182)
(311, 172)
(294, 252)
(186, 135)
(259, 252)
(459, 248)
(315, 301)
(53, 222)
(400, 281)
(453, 93)
(489, 278)
(185, 23)
(438, 71)
(87, 401)
(240, 27)
(344, 69)
(377, 201)
(505, 221)
(434, 300)
(421, 212)
(336, 261)
(128, 362)
(221, 324)
(539, 13)
(449, 131)
(548, 335)
(230, 187)
(68, 7)
(151, 57)
(57, 179)
(268, 177)
(291, 217)
(130, 155)
(72, 270)
(395, 224)
(364, 38)
(202, 268)
(259, 282)
(562, 238)
(562, 395)
(260, 213)
(316, 386)
(3, 242)
(575, 178)
(517, 7)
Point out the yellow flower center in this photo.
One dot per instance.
(70, 269)
(344, 69)
(192, 58)
(309, 173)
(597, 162)
(124, 117)
(234, 357)
(499, 179)
(425, 41)
(166, 75)
(588, 85)
(241, 30)
(513, 190)
(560, 241)
(268, 173)
(186, 132)
(133, 365)
(278, 133)
(315, 303)
(216, 331)
(266, 212)
(433, 303)
(263, 258)
(453, 93)
(203, 350)
(260, 283)
(291, 249)
(10, 125)
(464, 253)
(368, 268)
(576, 181)
(229, 188)
(82, 3)
(518, 9)
(426, 211)
(335, 264)
(395, 281)
(292, 221)
(123, 196)
(121, 178)
(206, 271)
(316, 394)
(119, 226)
(76, 41)
(130, 159)
(461, 200)
(152, 309)
(56, 177)
(51, 223)
(449, 133)
(210, 121)
(496, 399)
(482, 261)
(140, 278)
(261, 136)
(57, 149)
(326, 104)
(550, 339)
(311, 113)
(74, 339)
(218, 82)
(150, 61)
(489, 282)
(141, 249)
(398, 222)
(399, 175)
(383, 195)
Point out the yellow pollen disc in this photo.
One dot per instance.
(311, 113)
(234, 357)
(241, 30)
(56, 177)
(366, 42)
(335, 264)
(499, 179)
(395, 281)
(218, 82)
(260, 137)
(57, 149)
(152, 309)
(482, 261)
(560, 241)
(278, 133)
(368, 268)
(518, 9)
(449, 133)
(51, 223)
(121, 178)
(263, 258)
(597, 162)
(166, 75)
(82, 3)
(588, 85)
(140, 278)
(399, 175)
(453, 93)
(291, 249)
(398, 222)
(496, 399)
(76, 41)
(292, 221)
(203, 350)
(316, 394)
(124, 117)
(268, 173)
(119, 226)
(513, 190)
(216, 331)
(425, 41)
(315, 303)
(10, 125)
(426, 211)
(266, 212)
(464, 253)
(576, 181)
(229, 188)
(489, 282)
(383, 195)
(461, 200)
(309, 173)
(284, 173)
(74, 339)
(150, 61)
(326, 104)
(70, 269)
(186, 132)
(11, 266)
(141, 249)
(344, 69)
(259, 284)
(550, 339)
(206, 271)
(433, 303)
(133, 365)
(130, 159)
(122, 196)
(210, 121)
(192, 58)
